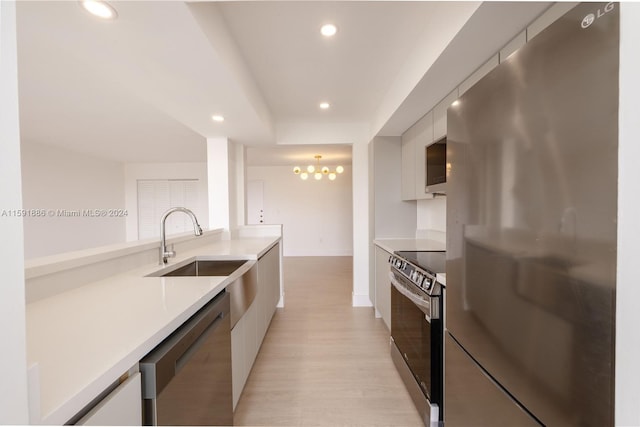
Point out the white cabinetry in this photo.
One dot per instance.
(383, 286)
(408, 187)
(548, 18)
(248, 333)
(440, 115)
(121, 407)
(414, 142)
(516, 43)
(424, 137)
(482, 71)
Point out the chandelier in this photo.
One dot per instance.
(318, 171)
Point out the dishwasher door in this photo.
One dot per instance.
(187, 378)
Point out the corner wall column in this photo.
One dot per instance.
(627, 342)
(226, 184)
(14, 404)
(361, 229)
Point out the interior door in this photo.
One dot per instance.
(255, 202)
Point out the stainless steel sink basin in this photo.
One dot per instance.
(206, 268)
(243, 289)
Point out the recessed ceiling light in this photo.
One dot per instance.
(455, 103)
(324, 105)
(328, 30)
(100, 9)
(217, 118)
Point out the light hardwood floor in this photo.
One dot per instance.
(323, 362)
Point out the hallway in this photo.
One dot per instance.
(322, 361)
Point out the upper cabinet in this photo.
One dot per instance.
(423, 137)
(516, 43)
(482, 71)
(440, 115)
(548, 18)
(433, 126)
(408, 187)
(414, 143)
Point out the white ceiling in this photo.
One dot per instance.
(143, 88)
(299, 155)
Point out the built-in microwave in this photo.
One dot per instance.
(436, 166)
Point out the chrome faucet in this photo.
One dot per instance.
(197, 230)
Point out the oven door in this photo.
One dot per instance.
(416, 331)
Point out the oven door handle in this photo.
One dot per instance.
(423, 304)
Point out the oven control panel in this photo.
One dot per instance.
(419, 277)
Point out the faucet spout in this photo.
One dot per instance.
(197, 230)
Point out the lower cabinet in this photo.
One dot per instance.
(248, 333)
(121, 407)
(383, 286)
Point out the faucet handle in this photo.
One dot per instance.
(169, 252)
(166, 254)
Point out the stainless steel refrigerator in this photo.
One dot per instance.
(531, 232)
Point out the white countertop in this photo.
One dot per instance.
(84, 339)
(392, 245)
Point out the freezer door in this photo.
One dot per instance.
(531, 219)
(474, 399)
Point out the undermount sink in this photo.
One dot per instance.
(203, 268)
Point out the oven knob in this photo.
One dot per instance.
(427, 283)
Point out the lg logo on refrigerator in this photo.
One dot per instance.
(591, 18)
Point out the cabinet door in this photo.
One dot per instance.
(383, 286)
(548, 18)
(250, 338)
(238, 357)
(516, 43)
(423, 138)
(408, 187)
(440, 115)
(121, 407)
(482, 71)
(269, 279)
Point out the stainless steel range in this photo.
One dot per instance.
(417, 328)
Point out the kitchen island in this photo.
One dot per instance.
(82, 340)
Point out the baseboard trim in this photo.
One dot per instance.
(361, 301)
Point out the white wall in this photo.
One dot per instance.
(316, 215)
(394, 218)
(218, 182)
(58, 179)
(432, 214)
(13, 369)
(237, 179)
(627, 392)
(362, 247)
(136, 171)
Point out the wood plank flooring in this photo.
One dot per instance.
(323, 362)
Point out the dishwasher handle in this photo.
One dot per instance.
(165, 361)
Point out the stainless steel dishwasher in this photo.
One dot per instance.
(186, 379)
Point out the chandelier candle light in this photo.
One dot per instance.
(317, 171)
